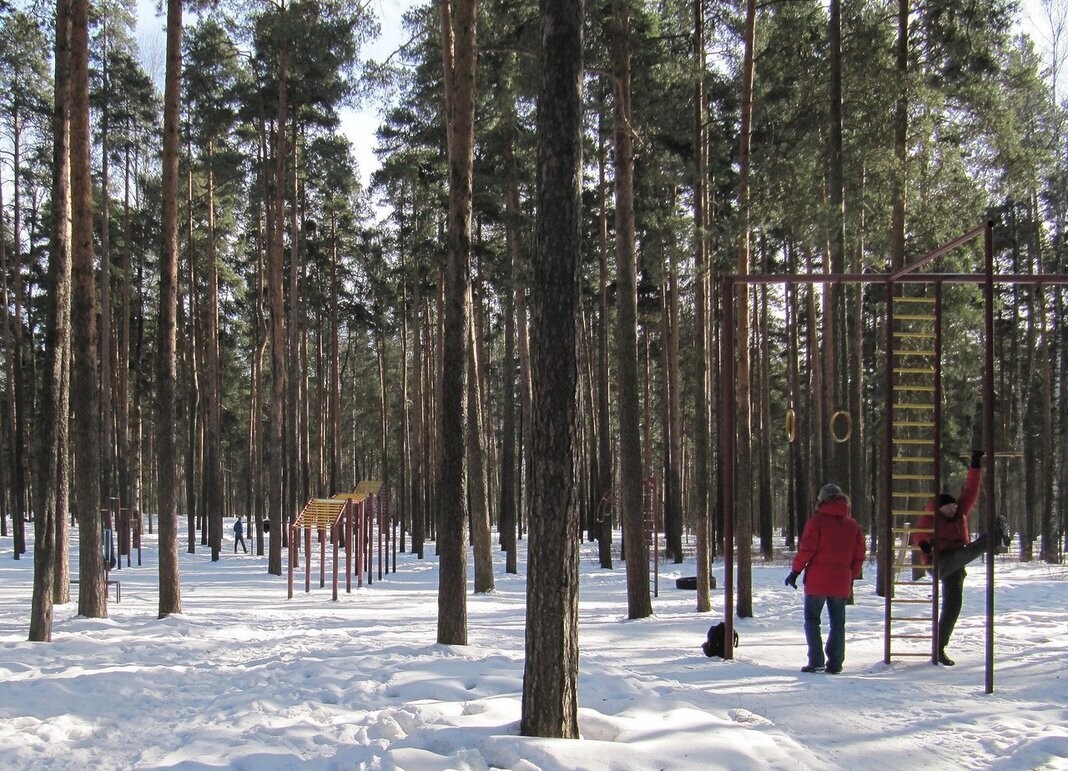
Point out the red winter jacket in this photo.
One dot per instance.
(831, 551)
(949, 534)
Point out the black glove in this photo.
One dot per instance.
(977, 458)
(925, 547)
(791, 580)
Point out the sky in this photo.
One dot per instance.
(245, 678)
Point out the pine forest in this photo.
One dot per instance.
(588, 271)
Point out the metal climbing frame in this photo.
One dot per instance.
(900, 280)
(322, 515)
(914, 430)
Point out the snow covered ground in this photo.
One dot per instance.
(246, 679)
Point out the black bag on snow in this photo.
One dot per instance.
(713, 646)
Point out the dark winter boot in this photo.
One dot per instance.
(945, 660)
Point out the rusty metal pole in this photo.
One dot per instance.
(729, 402)
(335, 533)
(307, 557)
(358, 541)
(936, 585)
(888, 529)
(322, 557)
(292, 535)
(392, 528)
(348, 546)
(988, 446)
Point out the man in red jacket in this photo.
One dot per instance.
(951, 541)
(831, 553)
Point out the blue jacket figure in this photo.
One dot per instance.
(239, 535)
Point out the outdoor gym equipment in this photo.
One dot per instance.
(353, 521)
(914, 370)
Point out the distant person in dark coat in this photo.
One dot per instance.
(239, 535)
(831, 553)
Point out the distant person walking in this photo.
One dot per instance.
(831, 553)
(239, 535)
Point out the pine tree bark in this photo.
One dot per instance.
(897, 243)
(13, 343)
(275, 288)
(673, 415)
(170, 596)
(743, 525)
(418, 472)
(764, 497)
(84, 385)
(476, 468)
(107, 409)
(701, 327)
(550, 676)
(639, 604)
(334, 408)
(54, 397)
(12, 338)
(213, 464)
(838, 383)
(458, 35)
(508, 369)
(604, 439)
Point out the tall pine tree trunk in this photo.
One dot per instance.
(275, 289)
(54, 397)
(509, 464)
(550, 675)
(604, 418)
(419, 468)
(701, 326)
(476, 477)
(897, 242)
(743, 523)
(673, 415)
(458, 47)
(213, 461)
(170, 596)
(92, 602)
(639, 604)
(838, 466)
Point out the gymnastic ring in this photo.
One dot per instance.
(849, 426)
(791, 425)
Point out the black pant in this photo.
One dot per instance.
(955, 559)
(952, 601)
(240, 540)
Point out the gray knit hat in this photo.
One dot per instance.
(829, 491)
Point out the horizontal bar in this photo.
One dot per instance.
(1051, 279)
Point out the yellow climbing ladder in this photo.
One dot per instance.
(914, 415)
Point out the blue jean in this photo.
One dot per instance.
(835, 652)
